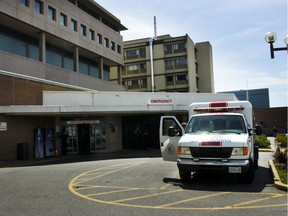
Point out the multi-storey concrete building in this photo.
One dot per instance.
(175, 64)
(69, 41)
(52, 45)
(55, 56)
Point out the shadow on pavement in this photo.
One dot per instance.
(213, 181)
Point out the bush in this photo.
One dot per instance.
(281, 140)
(280, 156)
(261, 141)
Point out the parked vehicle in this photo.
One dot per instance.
(218, 136)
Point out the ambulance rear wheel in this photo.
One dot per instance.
(185, 176)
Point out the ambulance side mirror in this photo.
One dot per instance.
(174, 131)
(171, 131)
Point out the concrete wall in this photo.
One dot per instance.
(38, 69)
(20, 129)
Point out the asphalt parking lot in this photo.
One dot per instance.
(142, 185)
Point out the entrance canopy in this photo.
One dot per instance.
(77, 102)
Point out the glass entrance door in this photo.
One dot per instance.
(72, 139)
(97, 137)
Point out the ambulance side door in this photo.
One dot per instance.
(169, 140)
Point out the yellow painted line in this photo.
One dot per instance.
(256, 200)
(75, 182)
(194, 198)
(146, 196)
(104, 174)
(111, 192)
(164, 187)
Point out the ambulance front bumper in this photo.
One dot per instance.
(231, 166)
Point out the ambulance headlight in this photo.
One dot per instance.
(184, 151)
(240, 151)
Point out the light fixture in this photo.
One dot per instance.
(270, 38)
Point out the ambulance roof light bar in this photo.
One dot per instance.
(218, 107)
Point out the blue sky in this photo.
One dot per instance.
(235, 29)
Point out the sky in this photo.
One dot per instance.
(235, 29)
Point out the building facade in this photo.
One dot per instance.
(55, 57)
(71, 41)
(259, 98)
(170, 64)
(51, 45)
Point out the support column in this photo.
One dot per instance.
(101, 68)
(119, 70)
(42, 47)
(76, 59)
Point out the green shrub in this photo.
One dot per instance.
(280, 156)
(281, 140)
(262, 141)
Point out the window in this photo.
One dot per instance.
(63, 19)
(181, 79)
(130, 54)
(168, 49)
(113, 46)
(106, 42)
(59, 58)
(24, 2)
(119, 50)
(132, 69)
(142, 52)
(169, 64)
(169, 79)
(181, 63)
(92, 34)
(39, 6)
(106, 72)
(179, 47)
(18, 44)
(83, 30)
(51, 13)
(73, 25)
(99, 38)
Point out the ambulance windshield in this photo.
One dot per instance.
(216, 124)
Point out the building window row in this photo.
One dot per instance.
(138, 83)
(132, 69)
(175, 48)
(176, 63)
(135, 53)
(176, 79)
(25, 46)
(63, 19)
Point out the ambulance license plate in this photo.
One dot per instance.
(234, 169)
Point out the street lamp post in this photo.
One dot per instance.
(270, 38)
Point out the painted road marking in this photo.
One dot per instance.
(139, 197)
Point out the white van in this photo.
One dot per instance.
(218, 136)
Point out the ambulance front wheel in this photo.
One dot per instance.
(248, 177)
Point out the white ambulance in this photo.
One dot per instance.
(218, 136)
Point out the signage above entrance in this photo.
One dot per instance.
(74, 122)
(160, 101)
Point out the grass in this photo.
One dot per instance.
(282, 172)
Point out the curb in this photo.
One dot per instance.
(265, 150)
(277, 181)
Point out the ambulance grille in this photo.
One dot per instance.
(211, 152)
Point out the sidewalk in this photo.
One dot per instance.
(82, 158)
